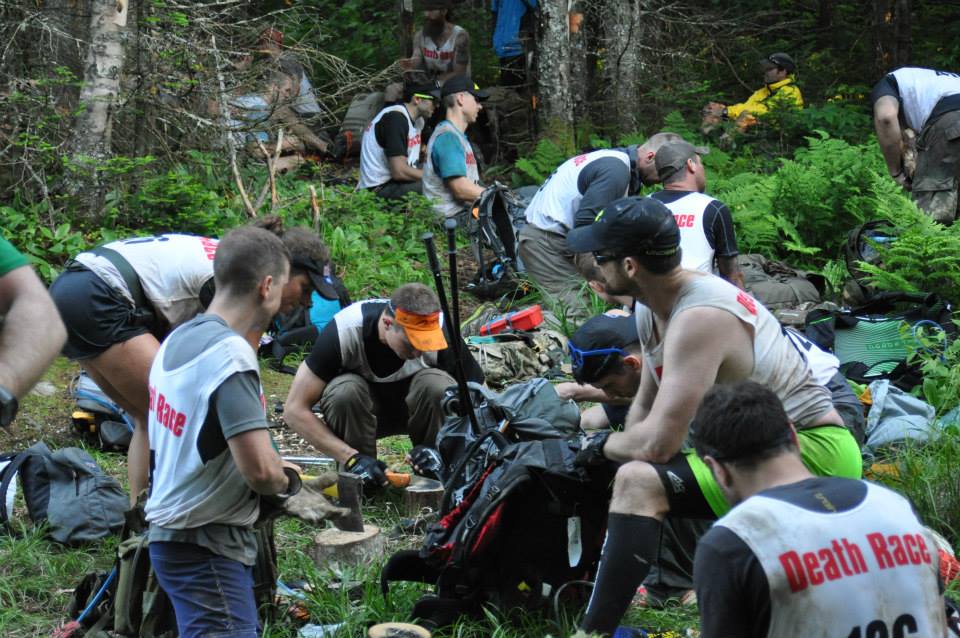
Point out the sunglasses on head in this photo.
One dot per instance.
(577, 355)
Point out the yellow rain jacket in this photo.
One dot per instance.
(783, 92)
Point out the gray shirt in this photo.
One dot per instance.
(234, 407)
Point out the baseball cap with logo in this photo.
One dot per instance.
(629, 226)
(425, 90)
(460, 83)
(673, 156)
(781, 60)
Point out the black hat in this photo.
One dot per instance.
(596, 340)
(629, 226)
(319, 275)
(427, 5)
(673, 156)
(780, 59)
(421, 89)
(460, 83)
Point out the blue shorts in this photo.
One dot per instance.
(212, 595)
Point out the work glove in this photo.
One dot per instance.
(426, 462)
(591, 450)
(372, 471)
(308, 503)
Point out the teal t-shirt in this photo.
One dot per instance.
(447, 156)
(10, 257)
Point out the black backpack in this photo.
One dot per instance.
(492, 228)
(519, 521)
(862, 247)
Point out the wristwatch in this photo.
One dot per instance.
(8, 407)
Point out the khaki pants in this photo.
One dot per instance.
(360, 412)
(551, 266)
(935, 182)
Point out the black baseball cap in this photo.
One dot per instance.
(460, 83)
(598, 338)
(673, 156)
(781, 60)
(629, 226)
(319, 276)
(428, 90)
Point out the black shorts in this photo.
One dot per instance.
(616, 414)
(96, 315)
(683, 492)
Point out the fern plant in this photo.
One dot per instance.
(536, 167)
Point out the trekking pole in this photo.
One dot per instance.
(451, 225)
(454, 331)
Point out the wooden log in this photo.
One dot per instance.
(397, 630)
(348, 548)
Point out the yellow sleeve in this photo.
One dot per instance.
(754, 104)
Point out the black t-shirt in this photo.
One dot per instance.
(732, 589)
(326, 360)
(391, 133)
(601, 182)
(717, 223)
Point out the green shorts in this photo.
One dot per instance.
(826, 450)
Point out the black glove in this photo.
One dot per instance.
(591, 450)
(426, 462)
(372, 471)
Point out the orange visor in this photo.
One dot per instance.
(423, 331)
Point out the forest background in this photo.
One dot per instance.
(116, 139)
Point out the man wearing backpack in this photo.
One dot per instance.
(380, 367)
(928, 102)
(31, 333)
(802, 555)
(696, 330)
(390, 150)
(570, 198)
(211, 452)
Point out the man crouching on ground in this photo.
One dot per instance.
(379, 368)
(210, 451)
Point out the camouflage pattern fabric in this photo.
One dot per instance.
(935, 181)
(510, 357)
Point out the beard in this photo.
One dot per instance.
(618, 283)
(433, 28)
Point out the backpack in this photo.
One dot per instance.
(67, 490)
(97, 417)
(777, 285)
(513, 356)
(518, 522)
(492, 226)
(861, 247)
(874, 341)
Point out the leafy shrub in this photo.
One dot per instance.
(47, 246)
(537, 167)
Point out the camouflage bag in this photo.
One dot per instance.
(514, 356)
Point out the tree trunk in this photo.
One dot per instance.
(902, 34)
(101, 85)
(622, 40)
(554, 103)
(405, 12)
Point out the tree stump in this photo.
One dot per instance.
(397, 630)
(348, 548)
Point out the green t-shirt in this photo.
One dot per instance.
(10, 257)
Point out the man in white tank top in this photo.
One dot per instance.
(697, 330)
(801, 555)
(451, 177)
(390, 150)
(707, 237)
(441, 49)
(571, 197)
(928, 102)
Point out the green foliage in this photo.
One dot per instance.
(536, 167)
(939, 360)
(922, 259)
(376, 241)
(46, 245)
